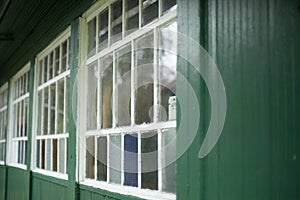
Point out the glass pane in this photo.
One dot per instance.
(149, 161)
(62, 158)
(102, 159)
(103, 30)
(131, 160)
(132, 16)
(169, 160)
(144, 77)
(167, 60)
(92, 96)
(46, 73)
(54, 155)
(43, 154)
(90, 158)
(150, 11)
(106, 90)
(64, 56)
(124, 85)
(167, 4)
(48, 154)
(38, 154)
(20, 119)
(115, 158)
(51, 65)
(1, 151)
(39, 113)
(26, 116)
(92, 37)
(117, 21)
(41, 75)
(66, 123)
(46, 106)
(56, 62)
(52, 109)
(60, 106)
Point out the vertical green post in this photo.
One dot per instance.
(30, 120)
(6, 134)
(74, 42)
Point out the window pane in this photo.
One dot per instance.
(46, 73)
(52, 109)
(92, 37)
(64, 56)
(46, 110)
(102, 159)
(103, 29)
(54, 155)
(150, 11)
(167, 4)
(56, 62)
(60, 105)
(38, 154)
(131, 160)
(62, 157)
(92, 96)
(167, 60)
(48, 154)
(124, 85)
(51, 65)
(115, 158)
(90, 157)
(43, 154)
(168, 161)
(67, 93)
(26, 116)
(144, 77)
(132, 15)
(117, 21)
(106, 90)
(149, 161)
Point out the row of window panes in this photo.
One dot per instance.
(3, 98)
(21, 85)
(2, 150)
(143, 69)
(149, 12)
(3, 122)
(51, 154)
(98, 159)
(55, 63)
(53, 103)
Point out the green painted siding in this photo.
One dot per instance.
(256, 46)
(2, 182)
(17, 184)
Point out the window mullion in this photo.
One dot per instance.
(49, 110)
(97, 34)
(132, 83)
(124, 24)
(65, 99)
(140, 13)
(99, 99)
(56, 108)
(114, 93)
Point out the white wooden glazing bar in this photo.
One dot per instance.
(132, 76)
(97, 34)
(55, 79)
(109, 25)
(124, 21)
(115, 93)
(49, 109)
(140, 13)
(68, 54)
(60, 58)
(99, 99)
(56, 108)
(42, 113)
(19, 139)
(57, 136)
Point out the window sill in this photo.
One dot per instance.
(127, 190)
(21, 166)
(51, 173)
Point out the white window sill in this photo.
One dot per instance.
(127, 190)
(17, 165)
(51, 173)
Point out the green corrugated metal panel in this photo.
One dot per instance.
(17, 184)
(256, 46)
(2, 182)
(49, 188)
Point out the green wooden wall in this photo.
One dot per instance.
(256, 46)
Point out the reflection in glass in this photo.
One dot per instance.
(167, 61)
(62, 158)
(132, 15)
(167, 5)
(150, 11)
(124, 85)
(52, 109)
(64, 57)
(46, 106)
(56, 62)
(103, 30)
(144, 77)
(48, 154)
(54, 155)
(168, 161)
(92, 37)
(60, 105)
(92, 96)
(149, 161)
(102, 159)
(106, 89)
(117, 20)
(131, 160)
(90, 161)
(115, 158)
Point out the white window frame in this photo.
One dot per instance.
(3, 109)
(57, 43)
(14, 88)
(161, 21)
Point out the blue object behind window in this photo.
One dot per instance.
(131, 160)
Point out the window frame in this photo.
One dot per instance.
(65, 75)
(153, 26)
(4, 109)
(12, 101)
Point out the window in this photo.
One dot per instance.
(3, 121)
(129, 98)
(51, 117)
(19, 107)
